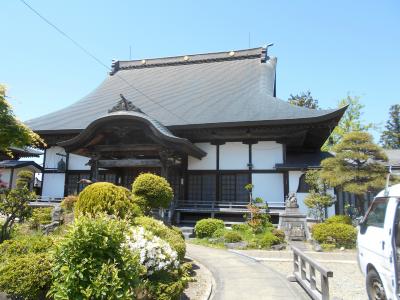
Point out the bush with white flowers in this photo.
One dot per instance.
(155, 254)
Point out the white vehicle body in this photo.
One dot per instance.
(379, 245)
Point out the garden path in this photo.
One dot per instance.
(239, 277)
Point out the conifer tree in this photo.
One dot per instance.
(304, 99)
(390, 138)
(356, 166)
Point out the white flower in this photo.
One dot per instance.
(154, 253)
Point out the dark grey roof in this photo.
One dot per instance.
(299, 161)
(393, 158)
(12, 164)
(26, 151)
(215, 88)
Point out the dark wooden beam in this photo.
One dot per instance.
(124, 163)
(127, 147)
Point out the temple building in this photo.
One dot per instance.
(209, 123)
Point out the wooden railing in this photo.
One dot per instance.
(190, 204)
(309, 280)
(48, 199)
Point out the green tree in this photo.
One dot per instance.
(390, 138)
(318, 200)
(356, 166)
(304, 99)
(351, 121)
(12, 131)
(14, 205)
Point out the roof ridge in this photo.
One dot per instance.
(250, 53)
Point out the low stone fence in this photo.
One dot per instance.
(307, 277)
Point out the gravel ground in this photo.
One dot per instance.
(347, 282)
(200, 288)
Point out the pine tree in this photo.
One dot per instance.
(304, 99)
(390, 138)
(356, 166)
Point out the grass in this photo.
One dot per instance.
(206, 242)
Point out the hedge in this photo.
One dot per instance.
(339, 219)
(342, 235)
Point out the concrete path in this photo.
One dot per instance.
(239, 277)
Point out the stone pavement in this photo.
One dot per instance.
(347, 282)
(240, 277)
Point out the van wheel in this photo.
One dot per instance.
(375, 288)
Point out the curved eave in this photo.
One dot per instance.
(331, 115)
(157, 129)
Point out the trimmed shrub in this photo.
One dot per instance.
(169, 285)
(268, 239)
(178, 231)
(90, 263)
(280, 234)
(153, 190)
(25, 266)
(171, 236)
(219, 233)
(27, 276)
(25, 245)
(105, 197)
(207, 227)
(231, 236)
(40, 216)
(339, 219)
(342, 235)
(69, 202)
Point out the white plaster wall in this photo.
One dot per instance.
(209, 162)
(233, 156)
(266, 154)
(294, 177)
(300, 201)
(53, 185)
(269, 187)
(78, 162)
(52, 158)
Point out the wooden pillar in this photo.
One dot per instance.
(164, 156)
(94, 169)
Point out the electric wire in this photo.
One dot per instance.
(87, 52)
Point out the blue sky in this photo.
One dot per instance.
(331, 48)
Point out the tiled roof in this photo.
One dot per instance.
(203, 89)
(18, 164)
(393, 158)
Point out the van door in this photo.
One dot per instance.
(392, 252)
(371, 240)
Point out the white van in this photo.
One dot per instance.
(379, 245)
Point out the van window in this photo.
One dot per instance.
(376, 214)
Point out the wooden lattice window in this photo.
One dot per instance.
(202, 187)
(232, 187)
